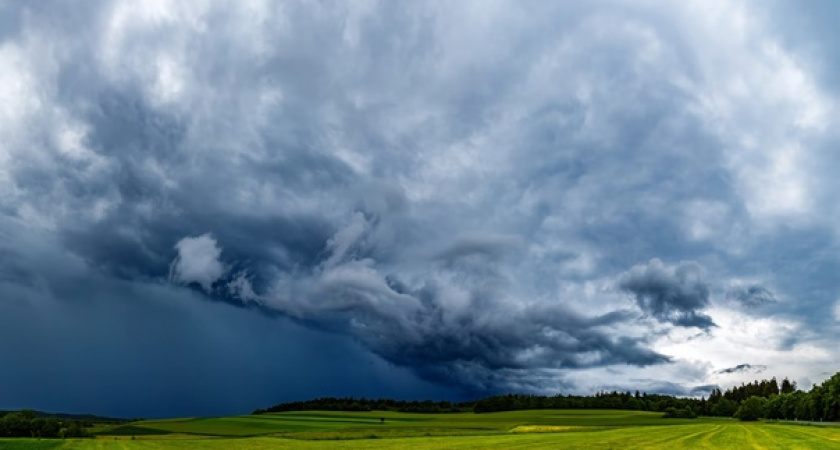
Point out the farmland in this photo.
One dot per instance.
(518, 429)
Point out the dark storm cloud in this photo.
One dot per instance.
(752, 368)
(456, 324)
(702, 390)
(166, 352)
(673, 294)
(752, 295)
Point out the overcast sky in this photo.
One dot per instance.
(208, 207)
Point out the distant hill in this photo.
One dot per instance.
(67, 416)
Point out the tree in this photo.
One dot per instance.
(751, 409)
(724, 408)
(831, 399)
(771, 388)
(788, 387)
(73, 430)
(803, 408)
(774, 407)
(815, 403)
(676, 413)
(16, 424)
(789, 404)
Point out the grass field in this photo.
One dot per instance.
(520, 429)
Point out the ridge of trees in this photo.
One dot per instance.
(28, 424)
(364, 404)
(766, 399)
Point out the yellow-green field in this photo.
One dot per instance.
(520, 429)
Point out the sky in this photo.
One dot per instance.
(208, 207)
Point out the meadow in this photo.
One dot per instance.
(600, 429)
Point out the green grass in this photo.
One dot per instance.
(26, 444)
(520, 429)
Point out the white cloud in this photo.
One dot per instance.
(783, 345)
(240, 287)
(197, 261)
(766, 108)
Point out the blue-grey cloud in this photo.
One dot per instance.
(674, 294)
(752, 295)
(750, 368)
(456, 191)
(169, 352)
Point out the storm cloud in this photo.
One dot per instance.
(752, 368)
(455, 321)
(469, 198)
(673, 294)
(752, 295)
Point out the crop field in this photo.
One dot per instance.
(520, 429)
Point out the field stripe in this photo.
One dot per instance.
(804, 433)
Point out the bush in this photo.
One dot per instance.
(674, 413)
(724, 408)
(751, 409)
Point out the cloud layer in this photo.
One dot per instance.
(478, 196)
(670, 294)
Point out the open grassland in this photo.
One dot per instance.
(520, 429)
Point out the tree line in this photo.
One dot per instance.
(27, 424)
(766, 399)
(365, 404)
(641, 401)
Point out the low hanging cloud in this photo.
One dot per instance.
(752, 295)
(197, 262)
(674, 294)
(744, 368)
(455, 323)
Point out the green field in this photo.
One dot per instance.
(519, 429)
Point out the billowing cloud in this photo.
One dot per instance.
(198, 262)
(456, 320)
(674, 294)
